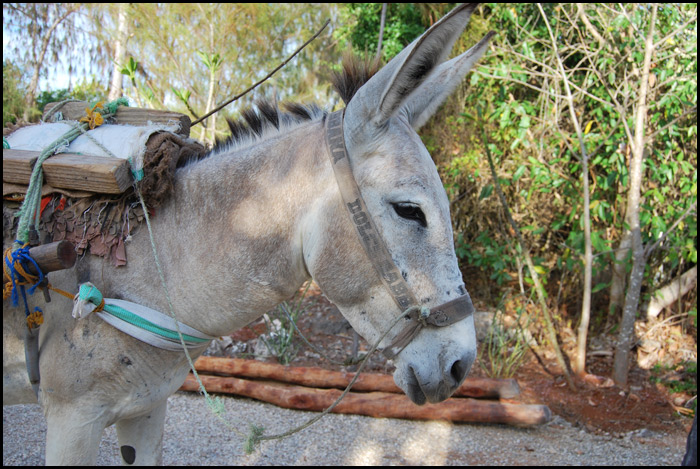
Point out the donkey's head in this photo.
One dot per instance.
(407, 202)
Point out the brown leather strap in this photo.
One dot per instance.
(370, 238)
(440, 316)
(373, 243)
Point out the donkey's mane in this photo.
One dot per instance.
(266, 118)
(263, 120)
(356, 71)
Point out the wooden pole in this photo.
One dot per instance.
(374, 404)
(101, 174)
(320, 378)
(126, 116)
(51, 257)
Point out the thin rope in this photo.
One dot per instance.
(257, 435)
(216, 405)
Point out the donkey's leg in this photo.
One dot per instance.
(73, 436)
(141, 438)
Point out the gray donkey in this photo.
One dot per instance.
(246, 227)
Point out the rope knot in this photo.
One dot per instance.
(36, 318)
(88, 300)
(424, 314)
(15, 272)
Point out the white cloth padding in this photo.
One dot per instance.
(124, 141)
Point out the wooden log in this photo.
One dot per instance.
(671, 292)
(320, 378)
(375, 404)
(17, 165)
(128, 116)
(99, 174)
(51, 257)
(88, 173)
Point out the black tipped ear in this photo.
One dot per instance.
(442, 82)
(429, 50)
(386, 92)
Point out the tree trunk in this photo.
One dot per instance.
(38, 62)
(320, 378)
(374, 404)
(209, 127)
(579, 362)
(629, 312)
(619, 276)
(381, 30)
(115, 87)
(539, 289)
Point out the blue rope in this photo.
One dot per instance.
(21, 256)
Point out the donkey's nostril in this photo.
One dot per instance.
(459, 370)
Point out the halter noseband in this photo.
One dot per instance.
(373, 244)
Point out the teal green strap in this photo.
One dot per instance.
(131, 318)
(89, 292)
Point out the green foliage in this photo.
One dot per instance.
(13, 91)
(213, 62)
(361, 23)
(537, 151)
(488, 255)
(280, 323)
(85, 90)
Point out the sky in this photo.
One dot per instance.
(57, 76)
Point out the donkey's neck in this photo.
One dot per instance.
(232, 233)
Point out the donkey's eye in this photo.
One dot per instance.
(411, 211)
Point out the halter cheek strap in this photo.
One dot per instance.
(373, 244)
(370, 238)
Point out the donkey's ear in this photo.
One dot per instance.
(383, 95)
(424, 101)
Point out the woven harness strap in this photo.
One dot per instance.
(373, 244)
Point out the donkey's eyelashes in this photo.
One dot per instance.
(410, 211)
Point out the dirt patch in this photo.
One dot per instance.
(600, 407)
(597, 406)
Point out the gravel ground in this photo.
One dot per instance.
(195, 437)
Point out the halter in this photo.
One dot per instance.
(439, 316)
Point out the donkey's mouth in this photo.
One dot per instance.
(420, 393)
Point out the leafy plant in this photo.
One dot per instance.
(681, 377)
(486, 253)
(505, 349)
(279, 338)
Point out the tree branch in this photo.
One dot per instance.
(687, 112)
(589, 26)
(580, 361)
(539, 289)
(651, 248)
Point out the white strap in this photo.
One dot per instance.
(156, 317)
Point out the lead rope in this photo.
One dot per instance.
(256, 435)
(216, 405)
